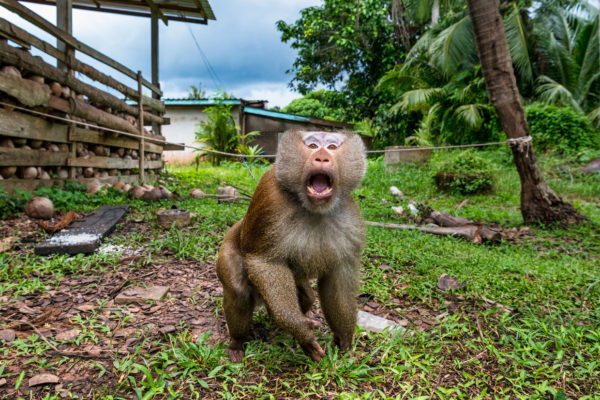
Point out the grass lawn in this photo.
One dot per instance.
(527, 324)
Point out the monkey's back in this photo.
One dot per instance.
(311, 244)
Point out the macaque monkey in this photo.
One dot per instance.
(302, 224)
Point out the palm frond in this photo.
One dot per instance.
(551, 92)
(418, 99)
(470, 115)
(594, 117)
(452, 46)
(517, 43)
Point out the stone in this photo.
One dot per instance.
(374, 323)
(2, 382)
(593, 166)
(7, 335)
(43, 379)
(141, 295)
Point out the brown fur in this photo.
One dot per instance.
(285, 239)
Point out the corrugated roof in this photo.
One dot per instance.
(275, 114)
(199, 102)
(195, 11)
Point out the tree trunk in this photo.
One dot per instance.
(539, 203)
(435, 12)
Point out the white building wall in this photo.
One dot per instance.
(181, 130)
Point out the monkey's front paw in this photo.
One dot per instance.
(313, 350)
(312, 322)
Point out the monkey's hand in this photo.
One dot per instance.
(313, 350)
(312, 321)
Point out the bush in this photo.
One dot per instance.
(560, 128)
(467, 173)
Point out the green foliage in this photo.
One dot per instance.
(560, 128)
(74, 193)
(218, 132)
(467, 173)
(346, 49)
(196, 92)
(321, 103)
(11, 204)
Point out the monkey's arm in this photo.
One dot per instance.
(337, 294)
(275, 283)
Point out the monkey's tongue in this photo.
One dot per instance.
(320, 183)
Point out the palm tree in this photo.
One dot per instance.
(539, 203)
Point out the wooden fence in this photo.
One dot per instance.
(54, 126)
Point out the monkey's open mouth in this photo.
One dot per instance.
(319, 186)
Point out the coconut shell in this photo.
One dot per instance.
(53, 148)
(39, 207)
(44, 175)
(55, 88)
(8, 172)
(118, 185)
(121, 151)
(19, 142)
(29, 173)
(63, 173)
(154, 194)
(98, 150)
(197, 194)
(126, 187)
(65, 92)
(35, 144)
(36, 78)
(93, 185)
(88, 172)
(10, 70)
(6, 142)
(164, 192)
(137, 192)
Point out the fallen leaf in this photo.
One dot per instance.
(7, 335)
(42, 379)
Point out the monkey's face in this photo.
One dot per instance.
(319, 167)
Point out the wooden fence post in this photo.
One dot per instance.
(141, 126)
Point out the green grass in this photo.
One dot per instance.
(547, 348)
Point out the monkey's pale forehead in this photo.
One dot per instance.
(324, 137)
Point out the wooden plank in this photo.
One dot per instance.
(25, 39)
(31, 158)
(17, 124)
(64, 21)
(27, 92)
(13, 56)
(30, 185)
(40, 22)
(141, 126)
(97, 137)
(154, 164)
(174, 146)
(83, 236)
(102, 162)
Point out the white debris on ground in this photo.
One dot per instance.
(66, 238)
(394, 191)
(374, 323)
(108, 248)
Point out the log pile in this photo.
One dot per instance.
(38, 149)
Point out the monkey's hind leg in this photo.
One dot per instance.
(238, 300)
(306, 298)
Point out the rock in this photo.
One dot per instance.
(197, 194)
(141, 295)
(167, 329)
(7, 335)
(227, 194)
(394, 191)
(39, 207)
(447, 282)
(398, 210)
(374, 323)
(2, 382)
(43, 379)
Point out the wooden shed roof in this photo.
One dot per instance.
(195, 11)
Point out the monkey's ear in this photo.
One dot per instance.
(353, 161)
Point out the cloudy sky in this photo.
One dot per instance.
(242, 46)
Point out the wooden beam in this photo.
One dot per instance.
(27, 92)
(31, 158)
(156, 10)
(64, 21)
(30, 185)
(36, 65)
(22, 37)
(17, 124)
(97, 137)
(42, 23)
(110, 163)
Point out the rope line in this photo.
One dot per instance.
(510, 142)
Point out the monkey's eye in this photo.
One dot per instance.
(331, 147)
(313, 146)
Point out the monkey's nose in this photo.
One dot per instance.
(322, 159)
